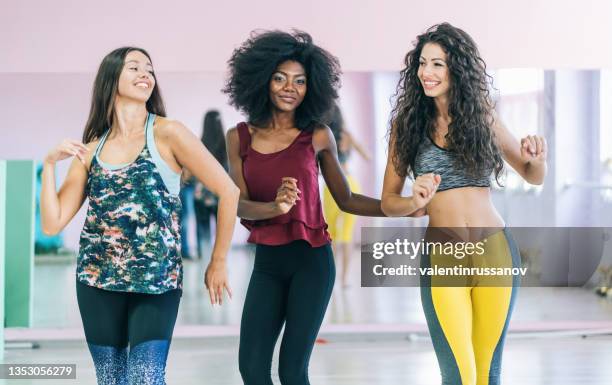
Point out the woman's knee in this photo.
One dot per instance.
(254, 371)
(293, 373)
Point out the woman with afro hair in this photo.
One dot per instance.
(445, 134)
(286, 86)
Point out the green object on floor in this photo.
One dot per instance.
(2, 245)
(19, 243)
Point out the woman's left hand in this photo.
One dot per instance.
(216, 280)
(533, 148)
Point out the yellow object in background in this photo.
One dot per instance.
(340, 224)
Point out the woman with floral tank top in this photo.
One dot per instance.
(129, 271)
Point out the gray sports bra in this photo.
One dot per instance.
(432, 158)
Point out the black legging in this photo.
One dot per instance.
(290, 284)
(113, 320)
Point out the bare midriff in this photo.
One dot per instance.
(464, 207)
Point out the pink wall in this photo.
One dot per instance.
(39, 110)
(72, 36)
(50, 51)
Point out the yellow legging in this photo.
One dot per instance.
(468, 324)
(340, 224)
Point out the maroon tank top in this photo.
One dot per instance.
(263, 173)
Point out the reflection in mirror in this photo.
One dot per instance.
(556, 104)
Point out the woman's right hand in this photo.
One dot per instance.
(424, 188)
(287, 195)
(66, 149)
(216, 281)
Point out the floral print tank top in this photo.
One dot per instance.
(130, 241)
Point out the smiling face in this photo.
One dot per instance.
(433, 71)
(136, 80)
(288, 86)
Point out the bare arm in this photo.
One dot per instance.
(325, 147)
(528, 157)
(247, 208)
(58, 208)
(393, 203)
(191, 154)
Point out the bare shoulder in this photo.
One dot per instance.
(91, 146)
(322, 132)
(168, 129)
(233, 141)
(232, 133)
(235, 129)
(322, 137)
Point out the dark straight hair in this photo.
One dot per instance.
(105, 90)
(213, 136)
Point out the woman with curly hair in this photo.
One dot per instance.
(285, 85)
(129, 269)
(445, 134)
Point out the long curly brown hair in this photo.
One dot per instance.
(470, 134)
